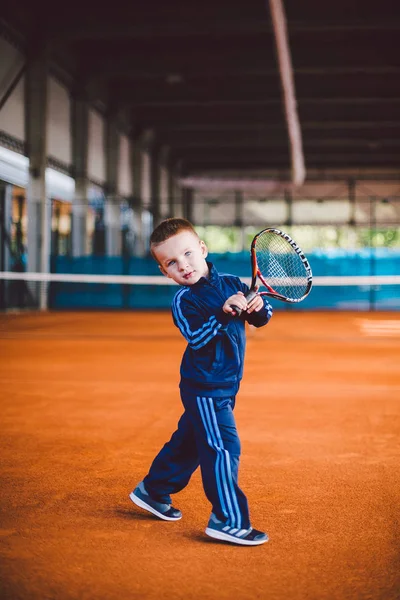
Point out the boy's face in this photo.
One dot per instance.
(182, 258)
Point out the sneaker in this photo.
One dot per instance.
(163, 511)
(245, 537)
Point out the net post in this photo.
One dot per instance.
(372, 228)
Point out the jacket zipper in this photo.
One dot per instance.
(236, 327)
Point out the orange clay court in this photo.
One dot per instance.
(89, 398)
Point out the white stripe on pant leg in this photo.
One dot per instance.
(220, 485)
(228, 465)
(212, 443)
(235, 520)
(232, 487)
(220, 466)
(211, 420)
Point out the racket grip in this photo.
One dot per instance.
(249, 297)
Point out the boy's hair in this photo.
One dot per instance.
(167, 229)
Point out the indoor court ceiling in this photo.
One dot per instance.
(205, 77)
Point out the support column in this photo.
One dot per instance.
(5, 220)
(39, 208)
(187, 198)
(372, 250)
(289, 208)
(239, 206)
(112, 205)
(5, 224)
(155, 177)
(80, 131)
(149, 190)
(177, 191)
(352, 200)
(174, 192)
(164, 175)
(171, 192)
(137, 175)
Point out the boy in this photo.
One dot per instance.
(211, 370)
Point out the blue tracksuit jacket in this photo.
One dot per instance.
(213, 360)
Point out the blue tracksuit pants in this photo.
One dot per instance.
(206, 435)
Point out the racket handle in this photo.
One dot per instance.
(249, 297)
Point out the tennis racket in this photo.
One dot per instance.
(280, 265)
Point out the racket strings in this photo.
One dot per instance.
(276, 268)
(281, 266)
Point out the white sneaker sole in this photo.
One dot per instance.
(149, 508)
(225, 537)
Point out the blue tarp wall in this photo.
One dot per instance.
(323, 263)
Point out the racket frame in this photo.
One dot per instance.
(257, 274)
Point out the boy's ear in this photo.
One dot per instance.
(162, 271)
(204, 249)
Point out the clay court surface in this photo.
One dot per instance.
(87, 399)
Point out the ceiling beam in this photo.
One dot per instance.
(262, 175)
(243, 126)
(262, 91)
(188, 56)
(274, 161)
(271, 144)
(251, 153)
(181, 130)
(129, 99)
(207, 114)
(210, 27)
(125, 67)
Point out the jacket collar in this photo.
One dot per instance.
(213, 276)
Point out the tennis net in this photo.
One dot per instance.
(63, 291)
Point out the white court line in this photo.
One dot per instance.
(379, 328)
(381, 324)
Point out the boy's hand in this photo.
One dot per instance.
(238, 300)
(256, 304)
